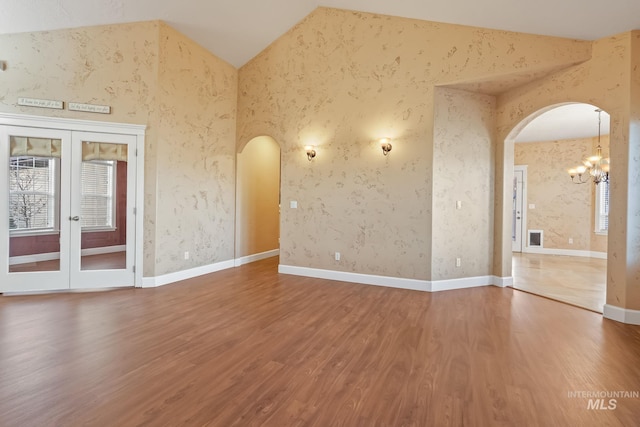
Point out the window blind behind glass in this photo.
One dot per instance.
(97, 194)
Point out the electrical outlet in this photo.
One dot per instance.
(458, 262)
(186, 255)
(571, 240)
(337, 256)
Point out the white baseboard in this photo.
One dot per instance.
(565, 252)
(461, 283)
(165, 279)
(256, 257)
(397, 282)
(599, 255)
(503, 282)
(152, 282)
(49, 256)
(624, 315)
(365, 279)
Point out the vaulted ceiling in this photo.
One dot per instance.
(237, 30)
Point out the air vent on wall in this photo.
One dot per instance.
(535, 239)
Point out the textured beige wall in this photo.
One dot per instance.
(563, 210)
(341, 80)
(462, 171)
(258, 197)
(149, 74)
(632, 234)
(606, 80)
(113, 65)
(197, 95)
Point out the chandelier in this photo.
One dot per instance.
(594, 167)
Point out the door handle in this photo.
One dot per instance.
(74, 218)
(517, 217)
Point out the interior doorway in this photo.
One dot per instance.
(559, 222)
(70, 218)
(258, 200)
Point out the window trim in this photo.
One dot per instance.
(34, 232)
(99, 229)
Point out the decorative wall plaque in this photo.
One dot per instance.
(89, 108)
(41, 103)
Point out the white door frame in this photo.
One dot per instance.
(99, 127)
(523, 229)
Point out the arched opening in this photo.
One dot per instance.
(559, 224)
(257, 200)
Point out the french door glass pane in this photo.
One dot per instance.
(103, 206)
(34, 204)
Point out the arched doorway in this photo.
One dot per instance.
(257, 200)
(561, 250)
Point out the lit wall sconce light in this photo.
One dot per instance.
(311, 152)
(385, 143)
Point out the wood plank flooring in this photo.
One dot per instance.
(250, 347)
(578, 281)
(110, 261)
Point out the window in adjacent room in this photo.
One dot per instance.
(33, 190)
(602, 207)
(98, 195)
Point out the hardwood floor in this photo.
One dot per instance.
(578, 281)
(250, 347)
(51, 265)
(110, 261)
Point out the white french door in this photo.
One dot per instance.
(67, 209)
(519, 212)
(35, 248)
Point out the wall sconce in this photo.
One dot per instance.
(311, 152)
(385, 143)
